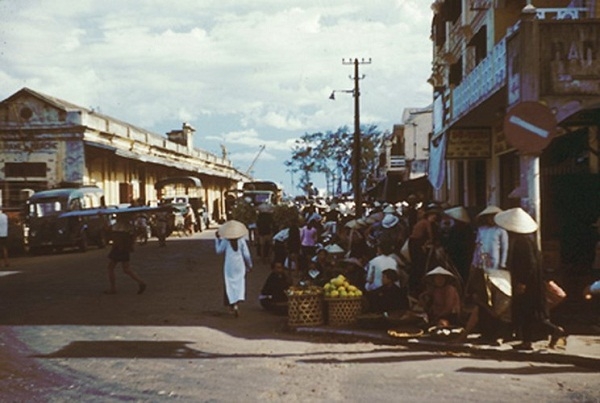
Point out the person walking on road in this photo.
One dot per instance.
(231, 241)
(123, 239)
(529, 306)
(4, 236)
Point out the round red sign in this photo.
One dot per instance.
(529, 126)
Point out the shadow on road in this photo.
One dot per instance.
(528, 370)
(143, 349)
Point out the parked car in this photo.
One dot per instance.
(50, 222)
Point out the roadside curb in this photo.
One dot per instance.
(490, 352)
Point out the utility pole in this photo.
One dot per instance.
(356, 157)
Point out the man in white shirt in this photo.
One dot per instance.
(4, 237)
(378, 264)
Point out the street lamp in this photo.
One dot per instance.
(356, 140)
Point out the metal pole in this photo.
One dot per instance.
(356, 144)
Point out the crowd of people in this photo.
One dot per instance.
(483, 273)
(410, 259)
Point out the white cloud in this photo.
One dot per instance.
(263, 70)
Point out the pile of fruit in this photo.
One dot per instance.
(304, 290)
(339, 287)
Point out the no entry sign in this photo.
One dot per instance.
(529, 126)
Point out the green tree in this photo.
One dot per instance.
(330, 154)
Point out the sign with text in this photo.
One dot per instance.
(469, 144)
(569, 58)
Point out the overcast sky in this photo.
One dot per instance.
(243, 73)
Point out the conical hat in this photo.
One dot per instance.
(516, 220)
(282, 235)
(440, 270)
(458, 213)
(500, 279)
(335, 248)
(232, 230)
(490, 210)
(351, 224)
(373, 218)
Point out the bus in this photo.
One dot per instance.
(259, 192)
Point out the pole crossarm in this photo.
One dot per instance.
(356, 174)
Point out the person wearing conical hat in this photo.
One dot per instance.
(529, 307)
(458, 238)
(441, 298)
(231, 241)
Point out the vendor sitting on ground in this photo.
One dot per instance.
(320, 269)
(389, 297)
(441, 300)
(272, 296)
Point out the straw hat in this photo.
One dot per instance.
(441, 271)
(501, 280)
(389, 221)
(458, 213)
(232, 230)
(361, 222)
(352, 224)
(433, 208)
(282, 235)
(490, 210)
(516, 220)
(335, 248)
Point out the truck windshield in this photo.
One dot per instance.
(45, 207)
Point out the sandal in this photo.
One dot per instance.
(559, 335)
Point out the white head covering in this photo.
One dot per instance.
(334, 248)
(458, 213)
(233, 230)
(516, 220)
(440, 270)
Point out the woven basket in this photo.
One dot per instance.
(343, 311)
(305, 310)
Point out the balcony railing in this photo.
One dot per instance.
(568, 13)
(485, 79)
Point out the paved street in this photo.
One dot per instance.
(62, 339)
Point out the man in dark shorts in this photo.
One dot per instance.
(122, 235)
